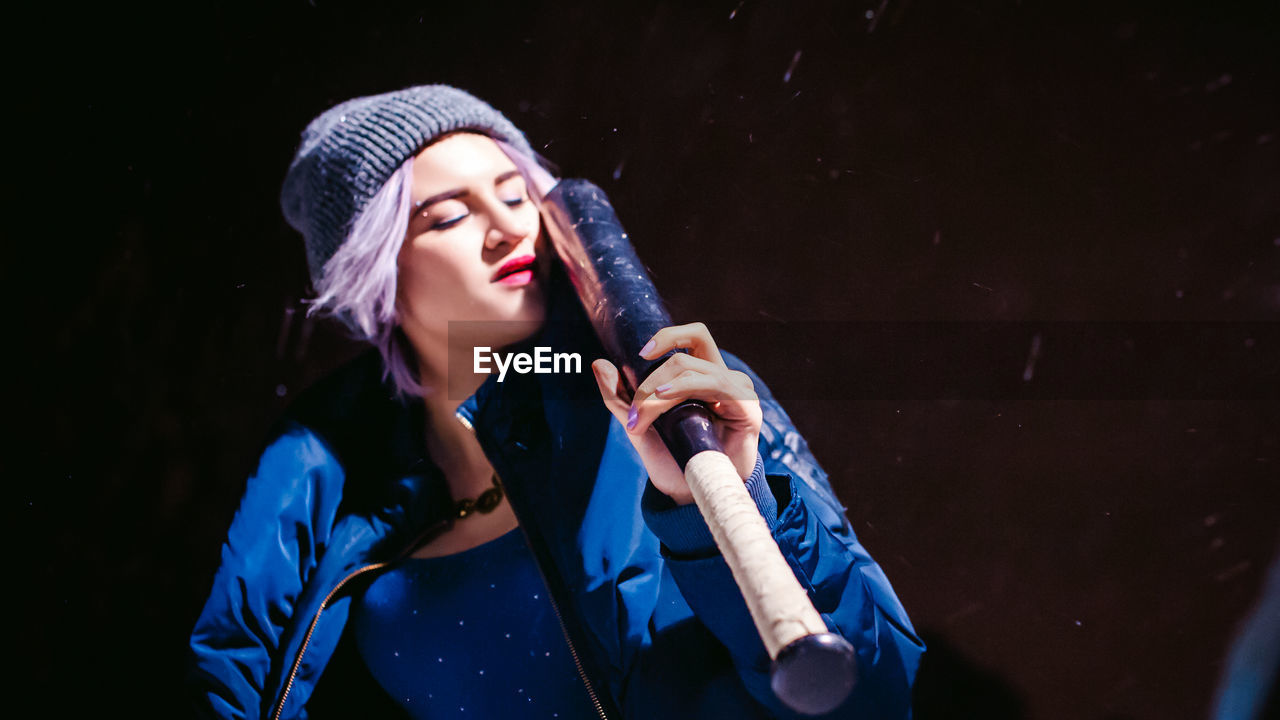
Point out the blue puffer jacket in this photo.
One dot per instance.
(649, 608)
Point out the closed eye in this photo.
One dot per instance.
(446, 224)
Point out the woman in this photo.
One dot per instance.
(502, 549)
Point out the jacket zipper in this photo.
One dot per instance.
(577, 662)
(306, 639)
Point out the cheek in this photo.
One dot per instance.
(421, 284)
(532, 218)
(542, 241)
(437, 279)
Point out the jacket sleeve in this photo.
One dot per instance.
(279, 530)
(847, 587)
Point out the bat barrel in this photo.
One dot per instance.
(620, 300)
(616, 292)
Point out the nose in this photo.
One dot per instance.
(505, 225)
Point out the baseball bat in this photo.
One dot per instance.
(813, 669)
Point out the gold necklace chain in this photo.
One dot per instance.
(485, 503)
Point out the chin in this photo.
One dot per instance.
(507, 323)
(515, 329)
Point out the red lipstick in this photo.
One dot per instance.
(516, 271)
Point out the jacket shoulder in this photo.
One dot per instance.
(784, 449)
(356, 413)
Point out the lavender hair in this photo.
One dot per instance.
(358, 286)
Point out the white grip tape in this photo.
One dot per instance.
(778, 604)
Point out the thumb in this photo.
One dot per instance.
(610, 389)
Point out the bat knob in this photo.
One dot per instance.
(814, 674)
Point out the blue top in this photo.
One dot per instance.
(471, 634)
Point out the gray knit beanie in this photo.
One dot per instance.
(352, 149)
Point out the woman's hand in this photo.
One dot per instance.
(701, 375)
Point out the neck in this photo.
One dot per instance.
(445, 367)
(455, 449)
(452, 445)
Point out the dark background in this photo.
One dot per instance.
(883, 215)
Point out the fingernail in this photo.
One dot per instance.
(632, 417)
(664, 388)
(648, 348)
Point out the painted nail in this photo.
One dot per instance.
(648, 348)
(664, 388)
(632, 417)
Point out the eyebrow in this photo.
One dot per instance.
(459, 192)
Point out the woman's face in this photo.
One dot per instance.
(474, 250)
